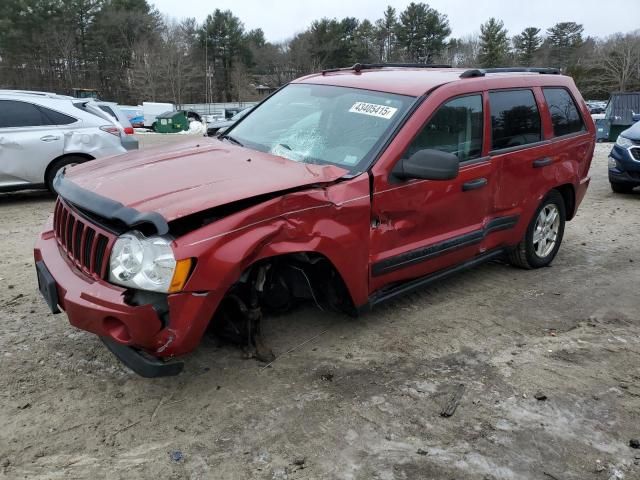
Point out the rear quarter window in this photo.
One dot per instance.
(515, 119)
(565, 116)
(108, 110)
(56, 118)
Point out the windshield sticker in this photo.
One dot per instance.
(374, 110)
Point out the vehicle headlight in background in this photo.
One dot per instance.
(147, 264)
(624, 142)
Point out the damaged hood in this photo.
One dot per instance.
(193, 176)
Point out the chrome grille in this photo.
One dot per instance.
(86, 245)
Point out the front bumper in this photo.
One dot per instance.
(100, 307)
(626, 169)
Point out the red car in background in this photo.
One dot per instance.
(344, 188)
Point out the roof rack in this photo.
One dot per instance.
(358, 67)
(481, 72)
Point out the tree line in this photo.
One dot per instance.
(129, 52)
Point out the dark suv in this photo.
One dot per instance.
(344, 188)
(624, 161)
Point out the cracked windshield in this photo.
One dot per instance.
(322, 124)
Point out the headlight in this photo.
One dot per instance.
(624, 142)
(146, 263)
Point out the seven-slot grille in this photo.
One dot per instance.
(86, 245)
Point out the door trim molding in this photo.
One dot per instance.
(422, 254)
(421, 282)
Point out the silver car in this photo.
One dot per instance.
(40, 133)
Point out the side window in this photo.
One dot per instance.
(20, 114)
(56, 118)
(515, 119)
(565, 116)
(456, 127)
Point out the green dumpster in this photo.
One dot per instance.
(619, 112)
(171, 122)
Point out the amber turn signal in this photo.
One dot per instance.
(180, 275)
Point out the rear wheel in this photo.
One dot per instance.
(544, 235)
(58, 165)
(621, 187)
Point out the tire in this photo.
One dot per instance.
(621, 187)
(530, 253)
(59, 164)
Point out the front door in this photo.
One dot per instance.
(28, 142)
(422, 226)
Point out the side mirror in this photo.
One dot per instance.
(635, 117)
(428, 165)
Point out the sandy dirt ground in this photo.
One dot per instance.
(362, 400)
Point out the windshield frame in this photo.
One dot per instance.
(381, 144)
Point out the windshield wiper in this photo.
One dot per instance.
(233, 140)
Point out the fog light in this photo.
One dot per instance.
(612, 162)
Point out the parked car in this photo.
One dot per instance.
(624, 161)
(215, 127)
(40, 133)
(344, 188)
(127, 139)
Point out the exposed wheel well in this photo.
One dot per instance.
(312, 276)
(86, 156)
(569, 196)
(276, 284)
(281, 280)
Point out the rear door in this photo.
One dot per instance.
(519, 151)
(29, 140)
(421, 226)
(571, 143)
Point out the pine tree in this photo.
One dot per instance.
(494, 43)
(526, 45)
(564, 39)
(422, 32)
(385, 33)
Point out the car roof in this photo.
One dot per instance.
(416, 81)
(29, 94)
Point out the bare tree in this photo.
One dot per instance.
(618, 60)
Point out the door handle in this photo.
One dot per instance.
(542, 162)
(49, 138)
(474, 184)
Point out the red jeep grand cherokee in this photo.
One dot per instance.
(344, 188)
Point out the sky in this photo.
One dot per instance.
(281, 19)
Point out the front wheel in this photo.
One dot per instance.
(544, 235)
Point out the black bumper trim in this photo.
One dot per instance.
(142, 364)
(105, 207)
(623, 177)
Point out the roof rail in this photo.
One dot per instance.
(358, 67)
(481, 72)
